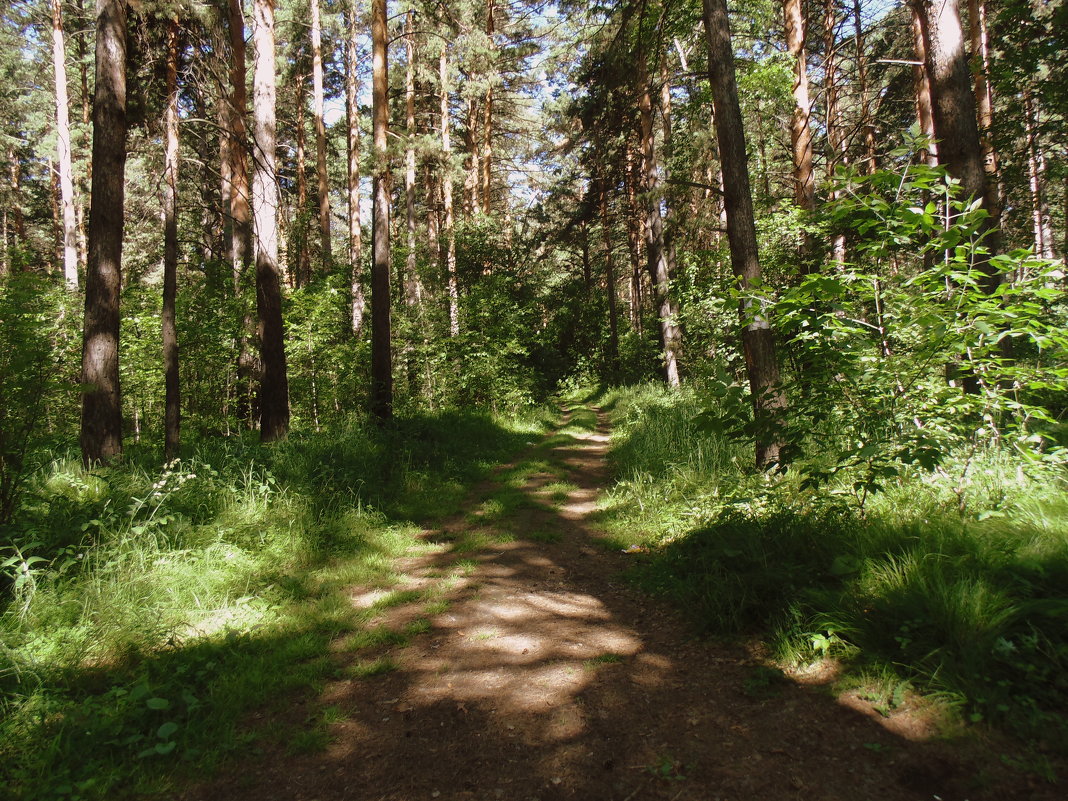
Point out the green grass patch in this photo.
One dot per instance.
(373, 667)
(543, 535)
(147, 612)
(964, 602)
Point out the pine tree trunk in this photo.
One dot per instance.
(274, 382)
(486, 161)
(634, 236)
(922, 86)
(610, 279)
(1036, 174)
(299, 239)
(953, 108)
(670, 338)
(472, 202)
(411, 285)
(318, 101)
(984, 103)
(758, 340)
(172, 401)
(357, 300)
(800, 132)
(870, 161)
(835, 142)
(63, 147)
(101, 430)
(381, 352)
(446, 193)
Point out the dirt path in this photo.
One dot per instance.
(540, 675)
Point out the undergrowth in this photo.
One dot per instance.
(952, 581)
(148, 612)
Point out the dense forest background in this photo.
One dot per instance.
(277, 279)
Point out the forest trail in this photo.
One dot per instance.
(540, 675)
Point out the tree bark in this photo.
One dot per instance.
(63, 148)
(236, 133)
(274, 382)
(800, 132)
(835, 142)
(299, 233)
(1036, 174)
(411, 284)
(610, 279)
(922, 86)
(984, 103)
(634, 236)
(446, 194)
(758, 340)
(101, 429)
(487, 120)
(953, 108)
(381, 352)
(870, 161)
(357, 301)
(318, 102)
(172, 401)
(658, 266)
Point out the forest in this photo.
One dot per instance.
(753, 311)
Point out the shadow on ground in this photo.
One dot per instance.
(521, 669)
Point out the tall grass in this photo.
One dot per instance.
(148, 610)
(955, 581)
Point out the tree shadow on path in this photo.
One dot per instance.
(540, 675)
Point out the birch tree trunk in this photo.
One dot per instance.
(63, 148)
(101, 427)
(274, 382)
(758, 340)
(381, 352)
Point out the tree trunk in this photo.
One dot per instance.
(610, 280)
(953, 109)
(381, 354)
(922, 86)
(758, 340)
(66, 171)
(835, 141)
(318, 101)
(101, 431)
(670, 338)
(984, 104)
(172, 402)
(869, 164)
(299, 236)
(1036, 174)
(800, 133)
(357, 300)
(411, 286)
(487, 120)
(274, 382)
(634, 236)
(446, 193)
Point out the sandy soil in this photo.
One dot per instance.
(548, 678)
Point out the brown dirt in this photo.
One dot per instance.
(548, 678)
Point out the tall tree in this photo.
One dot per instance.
(357, 302)
(274, 381)
(800, 131)
(318, 102)
(172, 396)
(953, 108)
(101, 431)
(381, 350)
(63, 147)
(449, 250)
(758, 340)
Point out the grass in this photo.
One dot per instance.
(964, 604)
(148, 612)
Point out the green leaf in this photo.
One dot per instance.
(165, 731)
(158, 703)
(165, 748)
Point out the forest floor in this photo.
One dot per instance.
(543, 675)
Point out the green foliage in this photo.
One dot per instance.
(969, 606)
(156, 607)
